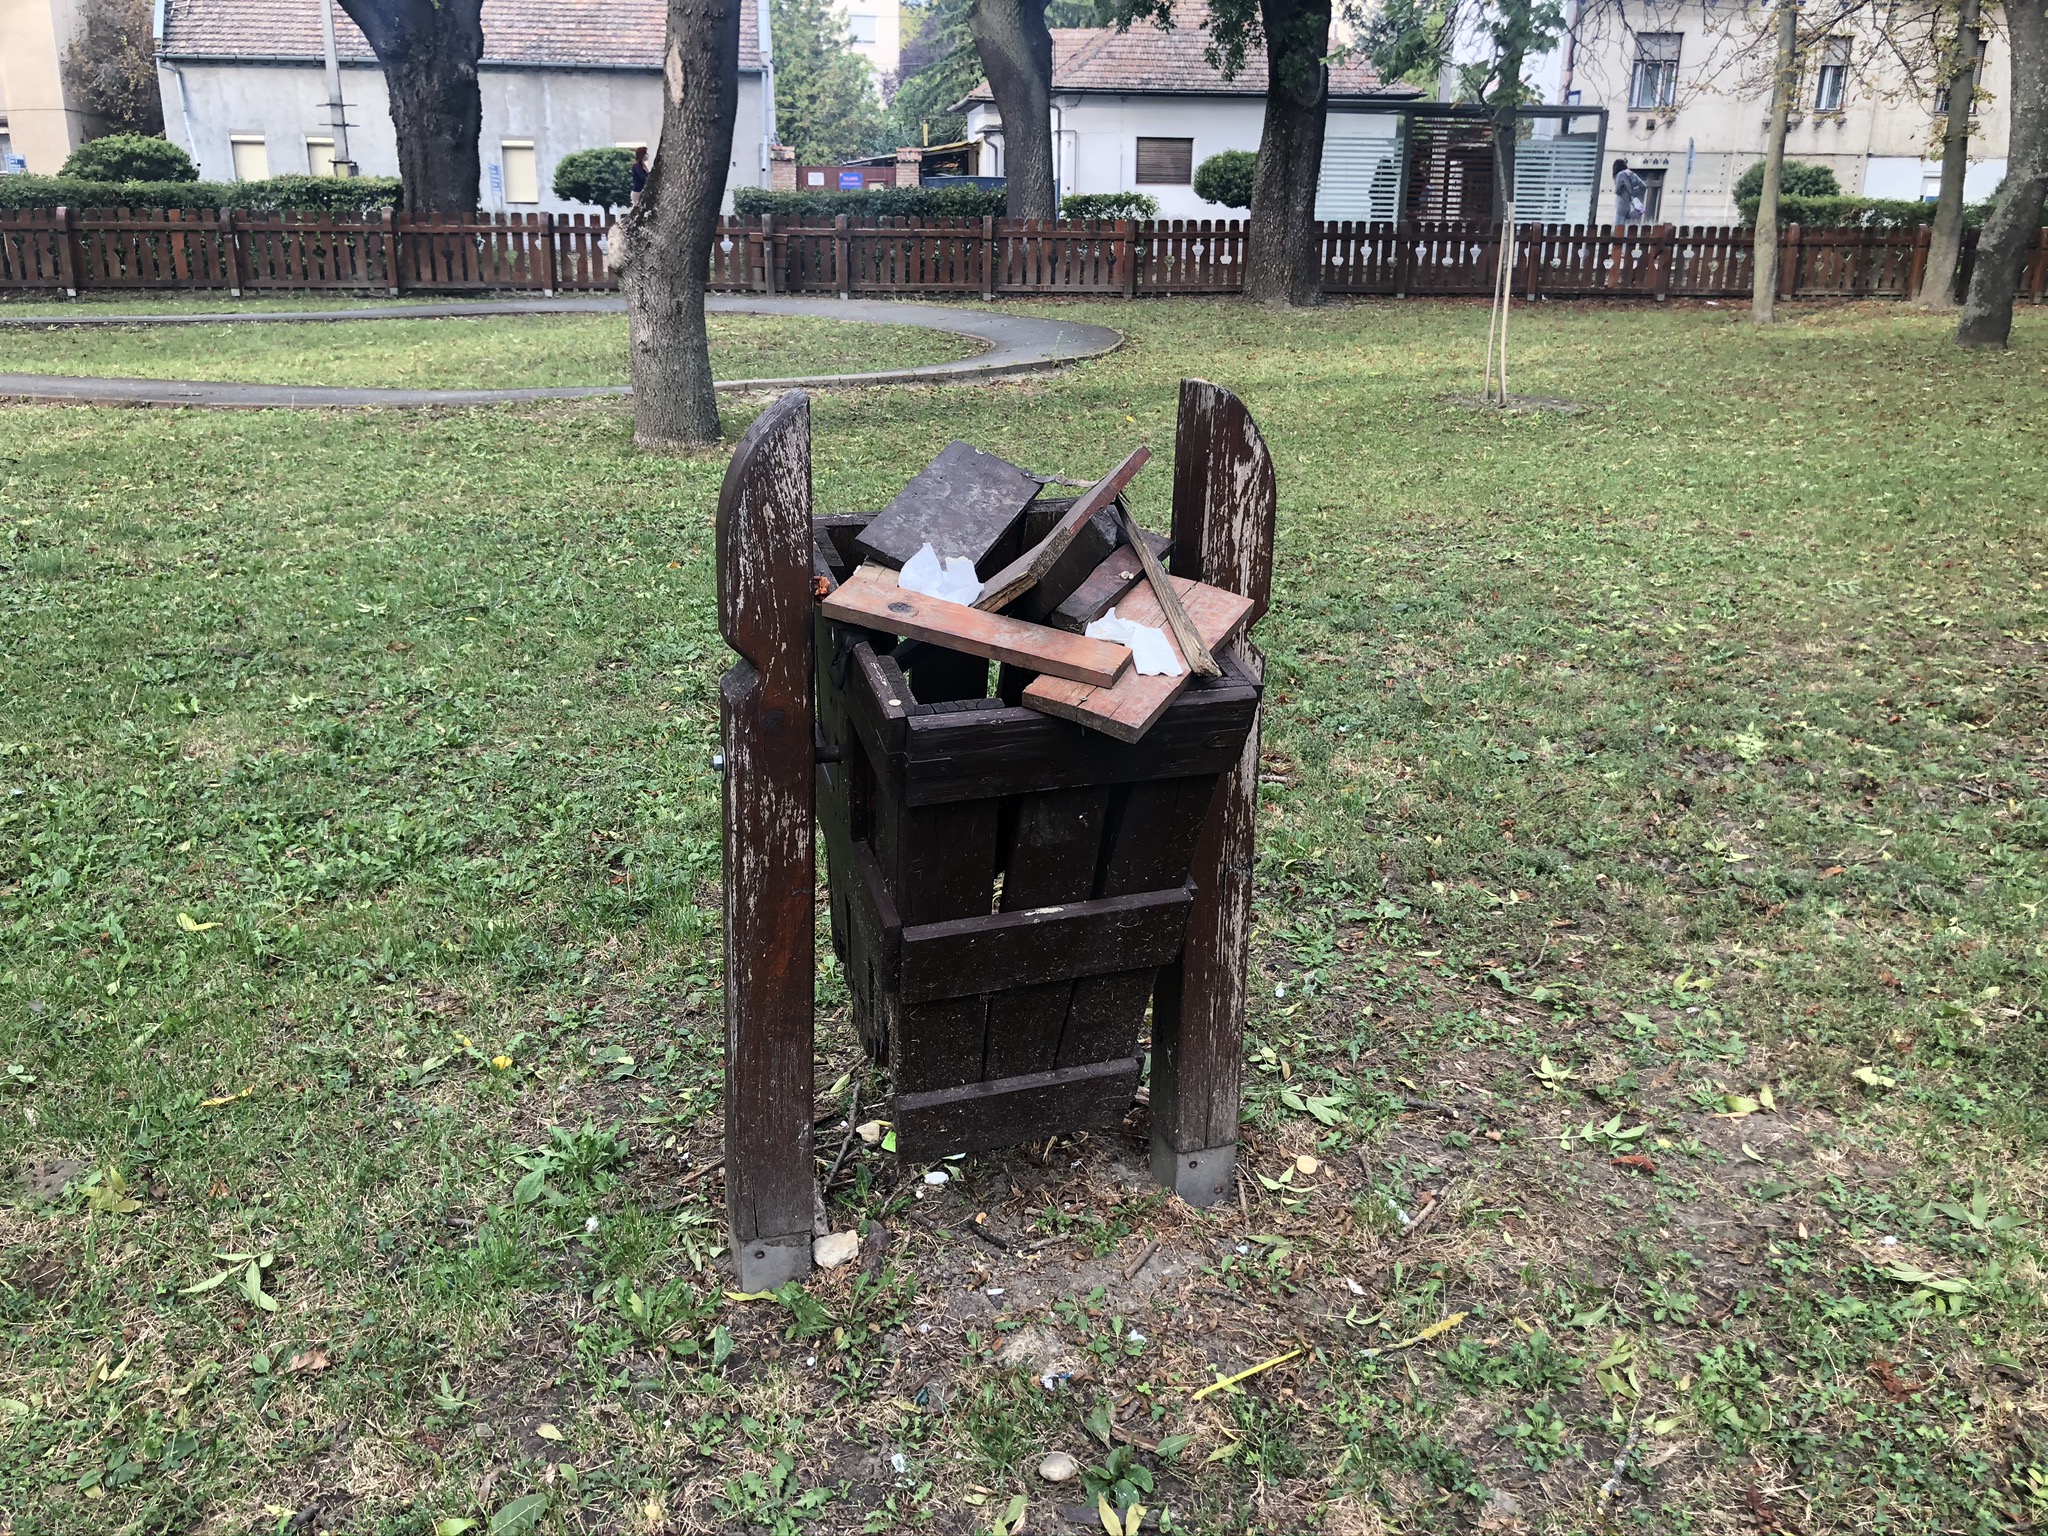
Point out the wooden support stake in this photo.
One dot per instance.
(764, 611)
(1196, 654)
(1029, 568)
(1223, 513)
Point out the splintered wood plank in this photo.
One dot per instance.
(1104, 587)
(1030, 568)
(965, 503)
(1127, 708)
(870, 597)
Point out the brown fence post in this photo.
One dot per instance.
(545, 255)
(1665, 239)
(988, 256)
(394, 262)
(1788, 262)
(1402, 259)
(67, 255)
(1916, 275)
(769, 274)
(1126, 234)
(1223, 511)
(842, 255)
(230, 250)
(764, 612)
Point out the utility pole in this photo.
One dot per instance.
(1764, 295)
(337, 113)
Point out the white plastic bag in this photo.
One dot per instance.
(954, 581)
(1151, 652)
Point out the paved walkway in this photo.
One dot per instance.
(1011, 344)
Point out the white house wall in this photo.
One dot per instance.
(560, 110)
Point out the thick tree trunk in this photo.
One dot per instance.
(1763, 300)
(1945, 241)
(429, 50)
(2002, 248)
(664, 240)
(1283, 257)
(1016, 54)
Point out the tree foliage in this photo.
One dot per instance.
(1799, 180)
(826, 108)
(130, 157)
(1226, 178)
(601, 176)
(110, 66)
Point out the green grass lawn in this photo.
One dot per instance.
(1662, 781)
(486, 352)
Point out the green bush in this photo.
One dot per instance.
(1859, 212)
(130, 157)
(1799, 180)
(600, 176)
(886, 202)
(1108, 205)
(1227, 178)
(302, 194)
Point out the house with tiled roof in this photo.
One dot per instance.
(1138, 111)
(245, 91)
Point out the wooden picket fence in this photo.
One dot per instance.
(75, 251)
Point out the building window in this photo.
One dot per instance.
(251, 156)
(861, 28)
(1166, 162)
(1655, 82)
(1833, 81)
(319, 157)
(1653, 193)
(1941, 91)
(522, 171)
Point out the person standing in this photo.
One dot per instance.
(639, 171)
(1631, 194)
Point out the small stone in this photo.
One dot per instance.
(836, 1249)
(869, 1131)
(1306, 1164)
(1059, 1467)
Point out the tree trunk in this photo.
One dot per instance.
(1507, 93)
(429, 50)
(1283, 256)
(665, 262)
(1016, 54)
(1945, 242)
(2002, 248)
(1763, 300)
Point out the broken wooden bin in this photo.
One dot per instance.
(1009, 891)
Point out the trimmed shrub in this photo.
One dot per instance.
(1799, 180)
(1227, 178)
(1108, 205)
(1859, 212)
(298, 194)
(885, 202)
(130, 157)
(601, 176)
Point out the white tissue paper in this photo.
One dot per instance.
(954, 581)
(1151, 652)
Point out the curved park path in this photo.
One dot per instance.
(1012, 344)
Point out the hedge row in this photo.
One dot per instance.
(318, 194)
(1858, 212)
(885, 202)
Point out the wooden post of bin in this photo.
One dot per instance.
(1223, 513)
(764, 611)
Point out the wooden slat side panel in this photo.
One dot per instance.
(978, 1116)
(938, 863)
(978, 956)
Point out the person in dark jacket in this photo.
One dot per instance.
(1631, 194)
(639, 172)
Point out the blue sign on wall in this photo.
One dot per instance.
(851, 181)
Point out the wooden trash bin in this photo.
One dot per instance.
(1010, 892)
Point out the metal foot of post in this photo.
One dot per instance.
(1200, 1177)
(768, 1262)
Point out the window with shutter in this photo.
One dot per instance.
(1166, 162)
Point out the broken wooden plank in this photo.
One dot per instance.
(1192, 650)
(964, 504)
(1105, 586)
(978, 1116)
(1127, 709)
(973, 956)
(870, 597)
(1029, 568)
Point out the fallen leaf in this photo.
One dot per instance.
(1897, 1389)
(227, 1098)
(1874, 1078)
(1767, 1098)
(548, 1432)
(1635, 1161)
(306, 1360)
(520, 1516)
(191, 924)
